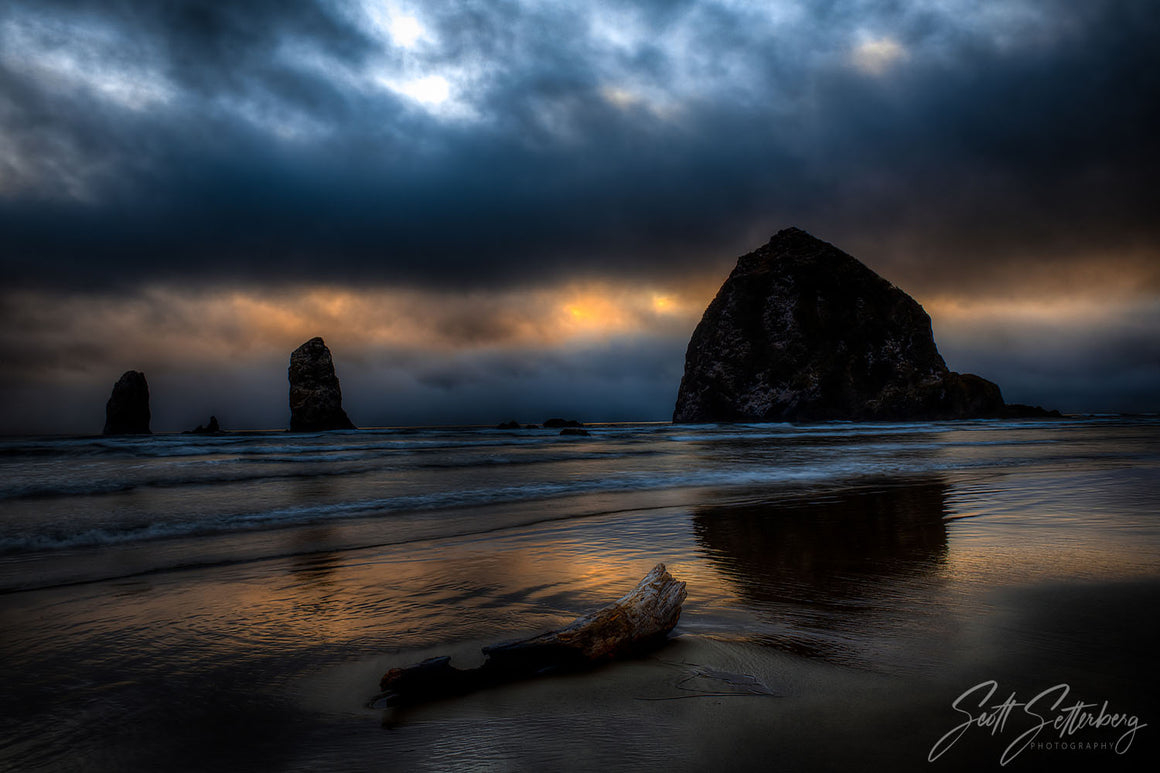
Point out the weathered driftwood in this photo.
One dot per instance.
(637, 622)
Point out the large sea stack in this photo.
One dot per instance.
(315, 397)
(801, 331)
(127, 411)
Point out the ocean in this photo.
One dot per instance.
(228, 602)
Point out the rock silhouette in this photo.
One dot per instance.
(315, 396)
(801, 331)
(212, 428)
(557, 423)
(127, 411)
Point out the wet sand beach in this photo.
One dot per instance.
(830, 623)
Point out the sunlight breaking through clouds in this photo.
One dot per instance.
(406, 31)
(413, 62)
(431, 90)
(395, 23)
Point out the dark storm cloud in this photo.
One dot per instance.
(179, 141)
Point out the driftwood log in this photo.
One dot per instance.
(639, 621)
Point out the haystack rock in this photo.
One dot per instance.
(127, 411)
(315, 397)
(801, 331)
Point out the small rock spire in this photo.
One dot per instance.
(315, 396)
(127, 411)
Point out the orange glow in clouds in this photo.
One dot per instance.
(211, 324)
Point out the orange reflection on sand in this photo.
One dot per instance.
(1045, 557)
(474, 591)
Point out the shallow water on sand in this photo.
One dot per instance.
(229, 603)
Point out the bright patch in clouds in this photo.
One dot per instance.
(877, 55)
(412, 62)
(396, 25)
(622, 98)
(431, 90)
(406, 31)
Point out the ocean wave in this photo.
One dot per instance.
(640, 458)
(440, 500)
(372, 441)
(187, 474)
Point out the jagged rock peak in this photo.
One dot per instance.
(801, 331)
(315, 395)
(795, 248)
(127, 411)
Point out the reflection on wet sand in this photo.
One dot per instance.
(310, 566)
(829, 571)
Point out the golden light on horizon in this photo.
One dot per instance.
(1066, 309)
(209, 326)
(594, 312)
(603, 311)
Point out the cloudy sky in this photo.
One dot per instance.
(521, 207)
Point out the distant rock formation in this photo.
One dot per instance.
(127, 411)
(575, 431)
(513, 424)
(315, 396)
(1021, 411)
(801, 331)
(557, 423)
(210, 429)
